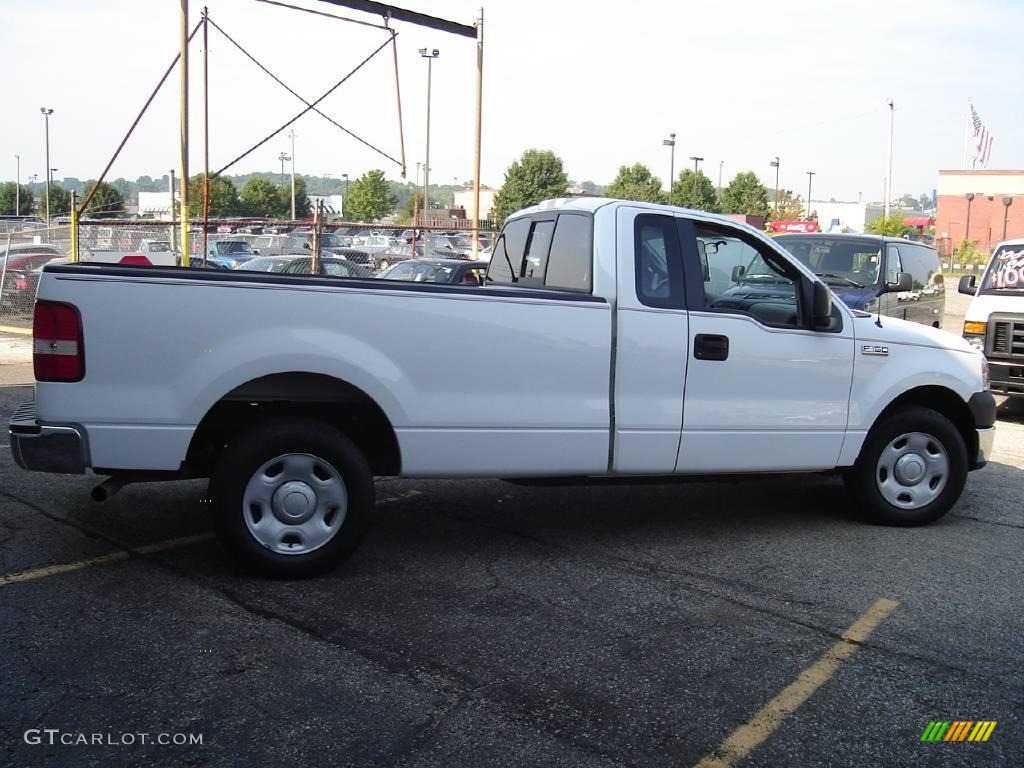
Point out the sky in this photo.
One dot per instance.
(602, 84)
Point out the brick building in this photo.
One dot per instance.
(994, 199)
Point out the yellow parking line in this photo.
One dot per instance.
(54, 570)
(746, 738)
(15, 329)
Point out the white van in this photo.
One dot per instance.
(994, 322)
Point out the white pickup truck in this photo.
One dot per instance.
(610, 340)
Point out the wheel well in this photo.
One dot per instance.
(944, 401)
(311, 395)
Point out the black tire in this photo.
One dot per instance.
(863, 479)
(249, 452)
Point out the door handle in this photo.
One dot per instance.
(710, 346)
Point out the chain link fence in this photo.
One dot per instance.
(26, 246)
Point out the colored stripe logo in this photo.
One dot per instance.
(958, 730)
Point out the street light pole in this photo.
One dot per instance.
(292, 134)
(429, 56)
(775, 165)
(1007, 202)
(888, 182)
(170, 188)
(967, 229)
(721, 163)
(283, 157)
(17, 188)
(671, 143)
(810, 177)
(696, 162)
(46, 117)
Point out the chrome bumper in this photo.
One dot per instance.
(46, 448)
(986, 437)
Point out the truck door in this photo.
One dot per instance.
(763, 390)
(650, 342)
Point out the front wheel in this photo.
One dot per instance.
(912, 468)
(292, 497)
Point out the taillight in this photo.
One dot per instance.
(57, 347)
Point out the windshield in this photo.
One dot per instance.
(838, 261)
(1006, 271)
(233, 246)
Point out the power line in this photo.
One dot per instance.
(300, 98)
(312, 106)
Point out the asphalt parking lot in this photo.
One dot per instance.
(484, 623)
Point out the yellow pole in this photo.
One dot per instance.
(74, 227)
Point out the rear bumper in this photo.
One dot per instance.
(46, 447)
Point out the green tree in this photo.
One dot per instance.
(788, 207)
(369, 198)
(695, 191)
(537, 175)
(223, 197)
(909, 201)
(261, 197)
(635, 182)
(106, 203)
(890, 226)
(746, 195)
(11, 194)
(302, 205)
(60, 201)
(925, 201)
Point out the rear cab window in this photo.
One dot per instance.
(545, 251)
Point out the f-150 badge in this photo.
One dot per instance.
(874, 349)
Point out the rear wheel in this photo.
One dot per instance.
(912, 468)
(292, 497)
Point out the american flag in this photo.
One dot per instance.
(982, 139)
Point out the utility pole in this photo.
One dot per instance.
(186, 248)
(888, 181)
(46, 117)
(810, 176)
(283, 157)
(775, 165)
(671, 143)
(479, 132)
(292, 134)
(429, 56)
(17, 188)
(720, 164)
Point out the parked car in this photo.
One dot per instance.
(455, 271)
(864, 270)
(24, 257)
(600, 346)
(227, 253)
(266, 263)
(994, 322)
(328, 267)
(20, 284)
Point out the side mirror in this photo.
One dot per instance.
(904, 282)
(968, 285)
(737, 273)
(821, 309)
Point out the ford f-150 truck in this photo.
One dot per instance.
(606, 342)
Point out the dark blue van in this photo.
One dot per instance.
(857, 268)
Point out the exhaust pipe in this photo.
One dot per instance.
(108, 488)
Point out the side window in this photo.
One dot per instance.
(744, 277)
(893, 263)
(507, 259)
(571, 254)
(922, 264)
(401, 272)
(658, 261)
(535, 263)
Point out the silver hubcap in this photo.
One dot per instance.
(295, 503)
(912, 470)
